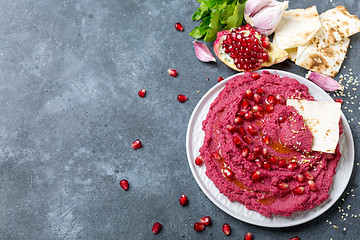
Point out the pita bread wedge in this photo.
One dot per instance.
(337, 24)
(326, 61)
(297, 27)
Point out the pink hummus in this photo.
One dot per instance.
(264, 160)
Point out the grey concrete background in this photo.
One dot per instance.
(69, 76)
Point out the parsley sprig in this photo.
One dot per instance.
(217, 15)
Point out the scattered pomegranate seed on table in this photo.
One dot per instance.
(182, 98)
(294, 238)
(183, 200)
(248, 236)
(199, 226)
(220, 79)
(172, 72)
(206, 220)
(199, 160)
(124, 184)
(226, 229)
(156, 228)
(136, 144)
(142, 93)
(179, 27)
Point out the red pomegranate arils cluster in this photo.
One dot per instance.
(246, 47)
(204, 221)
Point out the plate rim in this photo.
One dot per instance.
(326, 205)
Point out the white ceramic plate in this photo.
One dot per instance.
(194, 140)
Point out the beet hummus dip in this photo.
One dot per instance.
(257, 150)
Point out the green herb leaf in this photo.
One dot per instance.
(236, 19)
(217, 15)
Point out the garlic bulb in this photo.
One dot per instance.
(264, 15)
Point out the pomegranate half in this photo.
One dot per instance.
(244, 49)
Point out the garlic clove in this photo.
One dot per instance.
(203, 53)
(325, 82)
(253, 6)
(266, 20)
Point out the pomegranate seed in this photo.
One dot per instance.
(216, 156)
(199, 226)
(248, 94)
(299, 190)
(255, 75)
(136, 144)
(283, 185)
(206, 220)
(270, 100)
(227, 173)
(248, 116)
(281, 99)
(220, 79)
(244, 104)
(265, 139)
(248, 236)
(183, 200)
(257, 108)
(245, 152)
(231, 128)
(265, 42)
(241, 113)
(258, 115)
(237, 141)
(308, 175)
(258, 163)
(260, 91)
(199, 160)
(257, 97)
(142, 93)
(247, 139)
(265, 153)
(301, 178)
(312, 186)
(172, 72)
(182, 98)
(255, 176)
(266, 165)
(252, 156)
(273, 160)
(339, 100)
(251, 130)
(293, 166)
(269, 108)
(257, 149)
(238, 120)
(282, 163)
(294, 238)
(124, 184)
(156, 228)
(282, 119)
(241, 131)
(226, 229)
(179, 27)
(265, 56)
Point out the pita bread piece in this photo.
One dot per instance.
(322, 118)
(326, 61)
(297, 27)
(337, 24)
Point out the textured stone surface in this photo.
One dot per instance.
(69, 76)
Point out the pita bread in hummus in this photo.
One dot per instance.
(337, 24)
(326, 61)
(297, 27)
